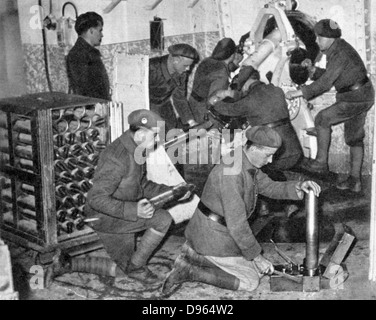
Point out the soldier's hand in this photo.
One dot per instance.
(213, 100)
(263, 265)
(186, 196)
(293, 94)
(238, 58)
(192, 123)
(220, 95)
(307, 185)
(145, 209)
(307, 63)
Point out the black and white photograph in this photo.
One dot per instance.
(187, 156)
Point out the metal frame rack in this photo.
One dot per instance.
(49, 144)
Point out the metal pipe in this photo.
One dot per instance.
(312, 248)
(267, 46)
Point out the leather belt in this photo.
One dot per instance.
(277, 123)
(195, 96)
(211, 215)
(357, 85)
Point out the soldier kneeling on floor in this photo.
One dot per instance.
(221, 249)
(119, 207)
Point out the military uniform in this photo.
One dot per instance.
(87, 74)
(265, 104)
(233, 197)
(119, 183)
(162, 87)
(221, 248)
(344, 69)
(211, 75)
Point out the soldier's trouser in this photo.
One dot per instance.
(352, 114)
(243, 269)
(120, 242)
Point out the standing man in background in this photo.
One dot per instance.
(87, 74)
(345, 71)
(168, 76)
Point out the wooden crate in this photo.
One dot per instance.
(49, 145)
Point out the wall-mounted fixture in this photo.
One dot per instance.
(192, 3)
(111, 6)
(64, 26)
(156, 34)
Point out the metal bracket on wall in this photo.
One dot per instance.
(152, 4)
(224, 10)
(367, 29)
(112, 6)
(192, 3)
(359, 27)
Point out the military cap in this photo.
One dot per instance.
(184, 50)
(224, 49)
(264, 136)
(327, 28)
(144, 118)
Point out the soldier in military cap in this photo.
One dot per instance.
(346, 71)
(119, 198)
(168, 77)
(118, 207)
(265, 104)
(212, 74)
(221, 249)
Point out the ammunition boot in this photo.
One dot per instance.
(351, 183)
(193, 257)
(137, 268)
(142, 274)
(184, 271)
(61, 264)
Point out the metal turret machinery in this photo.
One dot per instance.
(280, 39)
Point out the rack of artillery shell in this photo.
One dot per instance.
(50, 143)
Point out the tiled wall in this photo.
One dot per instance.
(35, 69)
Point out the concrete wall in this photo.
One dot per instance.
(126, 30)
(128, 21)
(12, 78)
